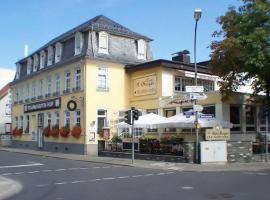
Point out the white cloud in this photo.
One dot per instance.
(6, 76)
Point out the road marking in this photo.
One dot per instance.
(135, 176)
(6, 174)
(261, 174)
(121, 177)
(58, 170)
(60, 183)
(42, 185)
(84, 168)
(187, 188)
(78, 181)
(95, 167)
(46, 170)
(74, 168)
(248, 173)
(106, 167)
(96, 179)
(15, 166)
(109, 178)
(33, 172)
(19, 173)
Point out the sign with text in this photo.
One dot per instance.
(197, 96)
(192, 88)
(217, 133)
(145, 85)
(42, 105)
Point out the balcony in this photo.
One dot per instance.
(40, 97)
(33, 98)
(48, 95)
(67, 91)
(76, 89)
(56, 94)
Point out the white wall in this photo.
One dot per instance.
(4, 118)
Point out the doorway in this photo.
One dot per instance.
(40, 127)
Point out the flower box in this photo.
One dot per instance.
(76, 131)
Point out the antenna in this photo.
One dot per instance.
(25, 50)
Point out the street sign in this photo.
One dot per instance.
(197, 108)
(193, 88)
(206, 116)
(197, 96)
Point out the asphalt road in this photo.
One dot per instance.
(55, 179)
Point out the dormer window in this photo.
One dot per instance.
(18, 71)
(29, 65)
(36, 62)
(58, 52)
(78, 43)
(103, 42)
(141, 49)
(50, 55)
(42, 59)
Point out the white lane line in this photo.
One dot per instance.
(248, 173)
(96, 179)
(46, 170)
(95, 167)
(122, 177)
(149, 174)
(162, 173)
(42, 185)
(33, 172)
(261, 173)
(15, 166)
(135, 176)
(84, 168)
(106, 167)
(73, 168)
(81, 181)
(109, 178)
(60, 183)
(6, 174)
(19, 173)
(187, 188)
(58, 170)
(117, 166)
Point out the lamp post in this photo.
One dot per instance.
(197, 16)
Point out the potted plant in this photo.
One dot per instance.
(15, 132)
(55, 131)
(64, 131)
(47, 131)
(76, 131)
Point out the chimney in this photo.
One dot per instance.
(25, 50)
(181, 56)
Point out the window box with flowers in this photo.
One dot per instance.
(64, 131)
(47, 131)
(76, 131)
(55, 131)
(17, 132)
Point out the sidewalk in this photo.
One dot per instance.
(8, 188)
(254, 166)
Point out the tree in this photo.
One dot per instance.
(241, 50)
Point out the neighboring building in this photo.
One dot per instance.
(85, 64)
(5, 109)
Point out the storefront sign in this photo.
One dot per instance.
(42, 105)
(145, 85)
(217, 133)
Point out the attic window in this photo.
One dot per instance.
(141, 49)
(29, 65)
(78, 43)
(36, 62)
(42, 59)
(103, 42)
(58, 52)
(18, 71)
(50, 55)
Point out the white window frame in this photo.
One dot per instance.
(49, 85)
(27, 91)
(141, 47)
(101, 73)
(48, 118)
(18, 70)
(78, 43)
(56, 118)
(29, 65)
(41, 87)
(16, 122)
(105, 118)
(21, 122)
(77, 117)
(103, 42)
(67, 84)
(57, 83)
(67, 118)
(22, 93)
(50, 55)
(58, 52)
(77, 78)
(42, 59)
(34, 89)
(36, 62)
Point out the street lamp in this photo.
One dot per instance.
(197, 16)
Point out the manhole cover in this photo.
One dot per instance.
(219, 196)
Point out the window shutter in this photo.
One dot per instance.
(103, 42)
(141, 49)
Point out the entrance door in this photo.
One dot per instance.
(40, 127)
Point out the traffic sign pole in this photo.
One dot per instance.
(266, 138)
(132, 131)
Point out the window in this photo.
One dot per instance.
(50, 56)
(16, 122)
(141, 49)
(29, 65)
(58, 52)
(67, 81)
(78, 43)
(27, 91)
(77, 79)
(138, 132)
(67, 119)
(180, 83)
(48, 119)
(21, 122)
(102, 79)
(41, 88)
(103, 42)
(34, 88)
(155, 111)
(22, 93)
(56, 118)
(101, 119)
(27, 124)
(207, 85)
(57, 84)
(49, 86)
(16, 95)
(235, 117)
(170, 113)
(209, 110)
(77, 119)
(42, 59)
(18, 70)
(250, 118)
(36, 62)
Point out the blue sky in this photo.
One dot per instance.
(170, 23)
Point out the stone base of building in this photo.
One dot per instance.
(240, 151)
(50, 146)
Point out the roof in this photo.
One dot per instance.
(98, 23)
(4, 90)
(170, 64)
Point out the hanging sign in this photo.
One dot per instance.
(42, 105)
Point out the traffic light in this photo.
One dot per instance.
(127, 117)
(135, 114)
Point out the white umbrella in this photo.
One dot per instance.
(151, 120)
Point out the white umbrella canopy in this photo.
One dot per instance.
(151, 120)
(188, 121)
